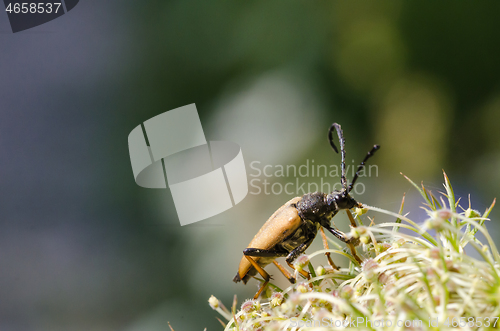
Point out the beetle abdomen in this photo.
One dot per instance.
(282, 224)
(300, 236)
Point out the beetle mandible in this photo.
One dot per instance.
(293, 227)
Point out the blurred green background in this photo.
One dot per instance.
(84, 248)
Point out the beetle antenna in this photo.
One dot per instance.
(361, 166)
(337, 127)
(330, 137)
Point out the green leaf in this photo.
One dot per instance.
(485, 215)
(451, 197)
(398, 220)
(424, 195)
(435, 200)
(313, 273)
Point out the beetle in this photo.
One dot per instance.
(293, 227)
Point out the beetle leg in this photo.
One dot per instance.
(338, 234)
(351, 242)
(270, 253)
(302, 272)
(327, 254)
(285, 272)
(297, 251)
(351, 219)
(257, 252)
(353, 252)
(342, 236)
(262, 272)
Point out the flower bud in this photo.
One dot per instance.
(361, 211)
(369, 269)
(346, 292)
(398, 243)
(213, 302)
(383, 278)
(320, 271)
(276, 299)
(247, 306)
(302, 288)
(301, 262)
(444, 214)
(383, 247)
(434, 253)
(472, 213)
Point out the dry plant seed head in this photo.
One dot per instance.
(404, 276)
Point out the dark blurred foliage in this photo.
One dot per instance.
(420, 78)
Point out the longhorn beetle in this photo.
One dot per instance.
(293, 227)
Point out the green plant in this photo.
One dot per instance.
(420, 279)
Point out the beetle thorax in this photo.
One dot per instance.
(314, 206)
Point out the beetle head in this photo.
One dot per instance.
(341, 200)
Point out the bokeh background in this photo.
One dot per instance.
(84, 248)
